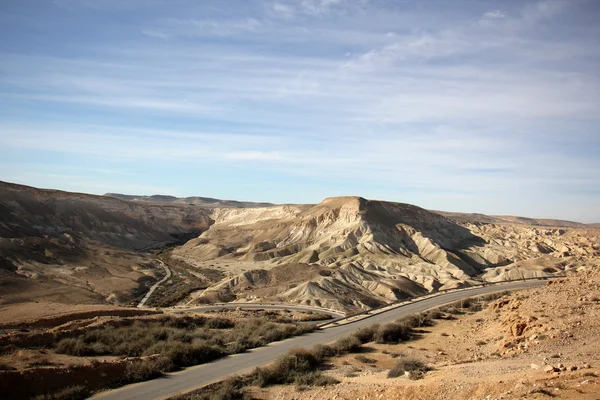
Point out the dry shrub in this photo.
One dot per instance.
(76, 392)
(139, 371)
(365, 360)
(345, 345)
(412, 365)
(298, 367)
(393, 333)
(366, 335)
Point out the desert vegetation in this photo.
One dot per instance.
(410, 367)
(145, 348)
(303, 367)
(183, 341)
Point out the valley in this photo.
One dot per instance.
(75, 267)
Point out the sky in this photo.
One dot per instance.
(465, 105)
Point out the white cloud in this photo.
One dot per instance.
(254, 156)
(444, 110)
(190, 27)
(319, 7)
(155, 34)
(313, 8)
(494, 14)
(545, 9)
(491, 18)
(284, 11)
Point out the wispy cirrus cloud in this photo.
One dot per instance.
(315, 8)
(200, 27)
(399, 100)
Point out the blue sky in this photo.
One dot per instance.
(475, 106)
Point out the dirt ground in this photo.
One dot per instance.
(47, 314)
(533, 344)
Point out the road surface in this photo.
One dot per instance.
(259, 306)
(156, 285)
(204, 374)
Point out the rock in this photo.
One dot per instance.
(587, 366)
(535, 366)
(518, 328)
(549, 368)
(572, 368)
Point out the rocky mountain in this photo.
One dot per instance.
(352, 253)
(347, 253)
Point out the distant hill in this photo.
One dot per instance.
(498, 219)
(195, 200)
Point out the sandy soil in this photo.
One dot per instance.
(503, 352)
(228, 267)
(48, 314)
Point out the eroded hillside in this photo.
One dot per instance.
(351, 253)
(346, 253)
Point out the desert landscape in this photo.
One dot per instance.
(299, 200)
(76, 267)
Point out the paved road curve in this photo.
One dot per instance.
(156, 285)
(201, 375)
(259, 306)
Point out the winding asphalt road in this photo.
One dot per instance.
(156, 285)
(201, 375)
(261, 306)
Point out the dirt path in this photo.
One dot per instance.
(156, 285)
